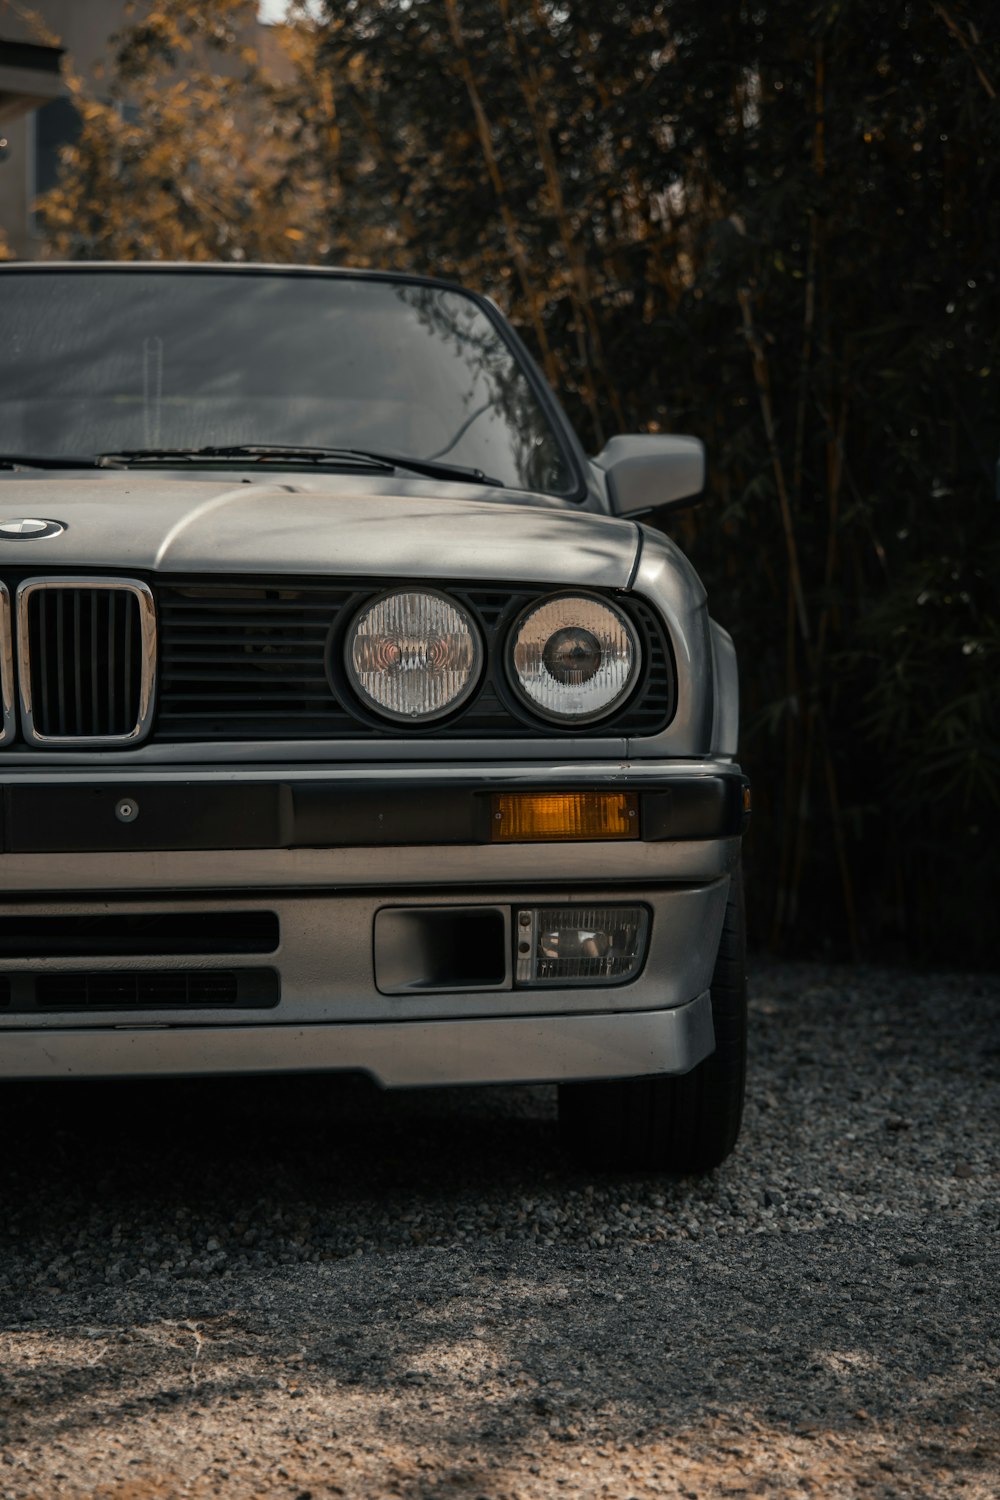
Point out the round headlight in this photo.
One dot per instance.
(574, 658)
(413, 655)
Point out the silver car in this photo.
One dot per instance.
(350, 719)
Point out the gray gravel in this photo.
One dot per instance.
(257, 1288)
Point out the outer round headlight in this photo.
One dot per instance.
(574, 658)
(413, 655)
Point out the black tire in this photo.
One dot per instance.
(686, 1123)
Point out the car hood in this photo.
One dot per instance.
(155, 522)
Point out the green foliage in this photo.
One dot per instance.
(771, 225)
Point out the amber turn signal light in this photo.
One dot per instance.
(538, 817)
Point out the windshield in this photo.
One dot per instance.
(98, 361)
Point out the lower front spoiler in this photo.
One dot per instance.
(404, 1054)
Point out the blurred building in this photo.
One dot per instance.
(36, 115)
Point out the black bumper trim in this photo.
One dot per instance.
(83, 818)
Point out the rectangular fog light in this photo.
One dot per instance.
(536, 817)
(573, 945)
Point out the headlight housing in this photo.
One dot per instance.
(574, 658)
(413, 655)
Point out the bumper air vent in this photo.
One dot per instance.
(86, 659)
(138, 934)
(141, 990)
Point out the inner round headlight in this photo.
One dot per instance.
(574, 658)
(572, 655)
(413, 655)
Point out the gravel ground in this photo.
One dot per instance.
(286, 1289)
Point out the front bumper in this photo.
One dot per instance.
(345, 808)
(316, 857)
(517, 1049)
(348, 827)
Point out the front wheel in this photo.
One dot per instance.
(687, 1123)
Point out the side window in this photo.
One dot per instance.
(56, 124)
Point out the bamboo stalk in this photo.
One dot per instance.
(762, 380)
(840, 848)
(786, 894)
(801, 829)
(964, 43)
(783, 894)
(581, 290)
(513, 238)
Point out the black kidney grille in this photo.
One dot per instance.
(86, 657)
(248, 660)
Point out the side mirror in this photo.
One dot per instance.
(649, 470)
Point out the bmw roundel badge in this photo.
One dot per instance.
(29, 528)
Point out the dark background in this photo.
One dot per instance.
(771, 224)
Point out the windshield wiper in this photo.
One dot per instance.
(51, 461)
(258, 452)
(385, 463)
(432, 467)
